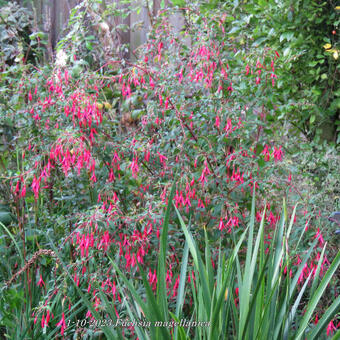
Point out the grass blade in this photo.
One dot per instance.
(198, 264)
(181, 286)
(15, 243)
(317, 295)
(162, 301)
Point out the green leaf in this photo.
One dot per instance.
(179, 3)
(5, 217)
(89, 45)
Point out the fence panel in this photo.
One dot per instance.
(52, 16)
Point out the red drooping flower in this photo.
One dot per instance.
(62, 324)
(41, 282)
(330, 328)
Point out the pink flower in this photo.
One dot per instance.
(273, 76)
(152, 277)
(162, 158)
(41, 282)
(306, 225)
(174, 290)
(134, 167)
(247, 69)
(221, 225)
(36, 186)
(330, 328)
(116, 158)
(23, 191)
(205, 171)
(45, 320)
(266, 153)
(62, 324)
(229, 127)
(151, 82)
(217, 121)
(180, 76)
(318, 235)
(76, 279)
(278, 153)
(166, 102)
(160, 45)
(272, 65)
(200, 204)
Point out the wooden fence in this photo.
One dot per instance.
(51, 16)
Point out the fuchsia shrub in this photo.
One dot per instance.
(202, 117)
